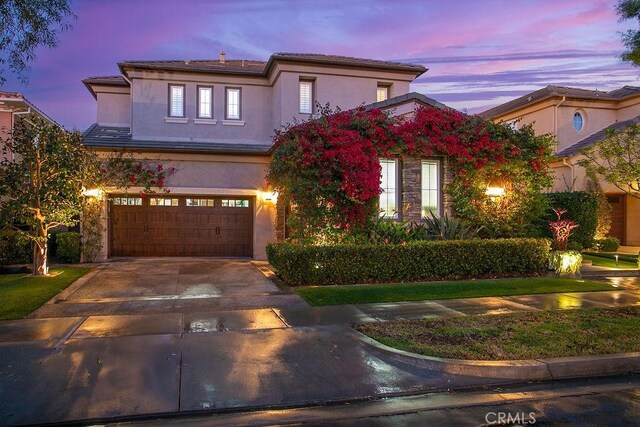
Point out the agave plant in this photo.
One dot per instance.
(448, 228)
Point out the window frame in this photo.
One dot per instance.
(311, 83)
(226, 102)
(397, 188)
(386, 87)
(198, 111)
(582, 120)
(438, 186)
(184, 100)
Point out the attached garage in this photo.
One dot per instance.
(169, 225)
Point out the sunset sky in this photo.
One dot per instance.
(480, 53)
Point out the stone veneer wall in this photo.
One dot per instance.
(411, 193)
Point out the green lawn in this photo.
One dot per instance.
(602, 261)
(21, 294)
(358, 294)
(525, 335)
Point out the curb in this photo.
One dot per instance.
(66, 292)
(559, 368)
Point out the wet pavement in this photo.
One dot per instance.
(151, 336)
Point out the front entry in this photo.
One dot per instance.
(618, 216)
(169, 225)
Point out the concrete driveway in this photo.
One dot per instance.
(160, 336)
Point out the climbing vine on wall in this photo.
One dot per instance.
(328, 166)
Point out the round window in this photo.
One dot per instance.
(578, 121)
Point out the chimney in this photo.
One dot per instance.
(222, 57)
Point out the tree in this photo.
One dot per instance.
(630, 9)
(42, 188)
(616, 158)
(24, 26)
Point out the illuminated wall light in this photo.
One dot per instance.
(270, 196)
(93, 192)
(495, 192)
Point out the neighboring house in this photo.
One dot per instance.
(12, 106)
(579, 118)
(214, 121)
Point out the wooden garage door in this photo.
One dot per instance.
(181, 226)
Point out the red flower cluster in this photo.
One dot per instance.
(329, 166)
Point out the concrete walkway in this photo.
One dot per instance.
(142, 337)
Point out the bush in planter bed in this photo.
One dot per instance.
(428, 260)
(68, 247)
(15, 248)
(606, 244)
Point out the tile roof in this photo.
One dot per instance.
(593, 138)
(10, 95)
(551, 91)
(98, 136)
(262, 68)
(407, 97)
(347, 60)
(13, 99)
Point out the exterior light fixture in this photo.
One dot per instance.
(93, 192)
(494, 192)
(270, 196)
(617, 256)
(635, 185)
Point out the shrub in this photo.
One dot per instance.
(582, 208)
(447, 228)
(565, 262)
(574, 246)
(15, 248)
(427, 260)
(68, 247)
(606, 244)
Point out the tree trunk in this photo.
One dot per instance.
(40, 266)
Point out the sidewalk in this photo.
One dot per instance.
(101, 367)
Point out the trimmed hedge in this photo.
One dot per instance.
(582, 207)
(428, 260)
(68, 247)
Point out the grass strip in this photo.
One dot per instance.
(360, 294)
(21, 294)
(513, 336)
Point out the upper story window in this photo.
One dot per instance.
(306, 96)
(389, 185)
(578, 121)
(176, 101)
(430, 187)
(382, 94)
(232, 110)
(205, 102)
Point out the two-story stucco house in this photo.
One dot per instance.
(213, 121)
(579, 118)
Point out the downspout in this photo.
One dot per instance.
(130, 102)
(570, 165)
(555, 115)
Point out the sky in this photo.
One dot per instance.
(480, 53)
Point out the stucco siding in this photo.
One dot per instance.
(6, 125)
(594, 119)
(114, 109)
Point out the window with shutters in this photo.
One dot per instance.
(430, 187)
(232, 110)
(176, 101)
(205, 102)
(306, 96)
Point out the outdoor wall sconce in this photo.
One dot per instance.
(93, 192)
(635, 185)
(495, 192)
(270, 196)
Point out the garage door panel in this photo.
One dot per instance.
(162, 229)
